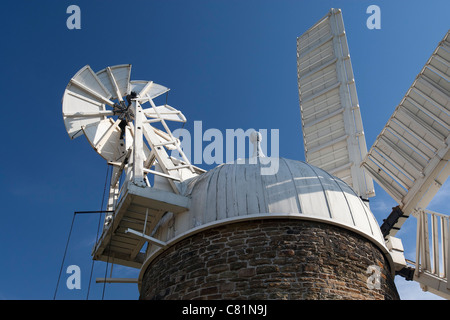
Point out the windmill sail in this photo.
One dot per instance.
(331, 121)
(409, 158)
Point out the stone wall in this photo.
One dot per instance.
(269, 259)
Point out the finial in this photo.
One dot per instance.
(255, 138)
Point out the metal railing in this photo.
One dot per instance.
(433, 252)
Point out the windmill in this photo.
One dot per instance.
(110, 110)
(159, 200)
(409, 158)
(169, 227)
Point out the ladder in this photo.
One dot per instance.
(141, 157)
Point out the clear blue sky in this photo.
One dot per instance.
(231, 64)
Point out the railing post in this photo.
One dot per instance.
(446, 249)
(418, 215)
(138, 159)
(426, 242)
(435, 244)
(433, 275)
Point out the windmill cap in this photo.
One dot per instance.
(241, 191)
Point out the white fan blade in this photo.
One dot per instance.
(88, 81)
(89, 114)
(104, 137)
(149, 88)
(118, 83)
(74, 106)
(166, 112)
(84, 94)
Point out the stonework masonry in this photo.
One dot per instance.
(287, 259)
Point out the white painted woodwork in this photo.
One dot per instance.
(333, 132)
(409, 159)
(104, 137)
(136, 153)
(137, 213)
(165, 112)
(432, 266)
(116, 79)
(84, 94)
(153, 91)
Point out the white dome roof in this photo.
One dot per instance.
(244, 191)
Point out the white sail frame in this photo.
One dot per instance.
(409, 158)
(333, 132)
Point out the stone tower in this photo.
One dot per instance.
(294, 233)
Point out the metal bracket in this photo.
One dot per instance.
(148, 238)
(116, 280)
(407, 273)
(391, 220)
